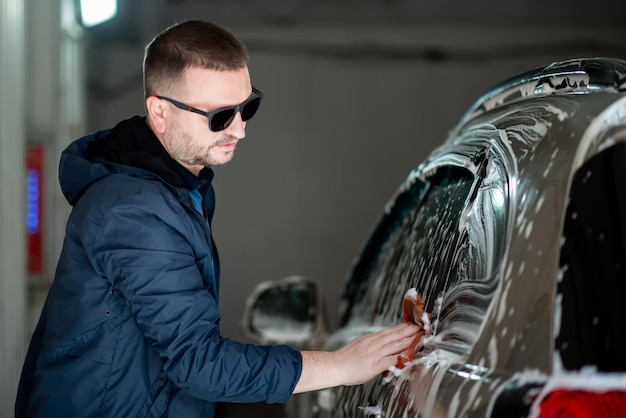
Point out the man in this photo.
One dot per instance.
(131, 324)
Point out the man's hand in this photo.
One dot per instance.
(357, 362)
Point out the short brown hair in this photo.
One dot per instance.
(190, 44)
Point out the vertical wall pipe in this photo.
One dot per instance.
(13, 283)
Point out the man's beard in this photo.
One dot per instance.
(184, 149)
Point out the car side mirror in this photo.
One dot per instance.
(287, 311)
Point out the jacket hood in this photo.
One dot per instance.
(130, 147)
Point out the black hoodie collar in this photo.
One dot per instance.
(132, 143)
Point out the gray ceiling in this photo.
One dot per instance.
(140, 19)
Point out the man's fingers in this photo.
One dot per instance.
(397, 346)
(396, 335)
(399, 331)
(371, 354)
(393, 340)
(387, 362)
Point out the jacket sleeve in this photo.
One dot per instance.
(146, 244)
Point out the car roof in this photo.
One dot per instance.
(575, 75)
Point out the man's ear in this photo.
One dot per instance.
(157, 113)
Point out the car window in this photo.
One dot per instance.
(592, 279)
(443, 235)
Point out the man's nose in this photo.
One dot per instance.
(237, 128)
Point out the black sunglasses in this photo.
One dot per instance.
(221, 119)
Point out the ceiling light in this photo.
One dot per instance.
(94, 12)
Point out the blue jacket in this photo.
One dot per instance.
(130, 327)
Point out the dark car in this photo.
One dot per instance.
(514, 234)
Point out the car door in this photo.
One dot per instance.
(443, 233)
